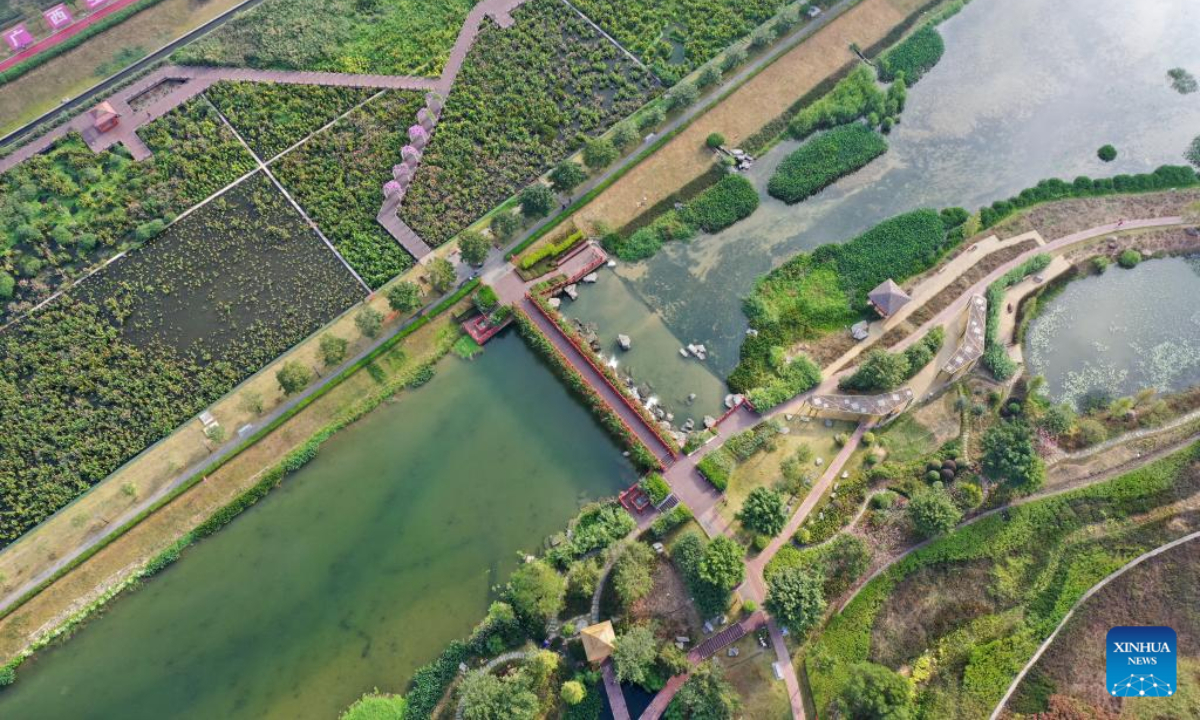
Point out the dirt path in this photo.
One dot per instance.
(1079, 603)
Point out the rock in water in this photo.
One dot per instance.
(591, 278)
(572, 291)
(624, 342)
(710, 422)
(554, 303)
(691, 398)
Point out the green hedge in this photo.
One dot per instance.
(716, 468)
(995, 356)
(1165, 177)
(913, 57)
(821, 161)
(730, 200)
(551, 250)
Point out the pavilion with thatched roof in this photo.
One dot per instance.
(598, 641)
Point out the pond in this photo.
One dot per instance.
(1027, 89)
(1120, 332)
(355, 571)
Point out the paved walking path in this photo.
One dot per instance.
(616, 698)
(389, 218)
(1086, 596)
(598, 383)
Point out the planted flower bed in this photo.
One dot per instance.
(337, 175)
(273, 117)
(527, 97)
(104, 371)
(64, 211)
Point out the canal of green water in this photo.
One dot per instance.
(354, 572)
(1120, 332)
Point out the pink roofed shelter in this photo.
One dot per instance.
(104, 117)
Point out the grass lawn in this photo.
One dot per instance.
(763, 697)
(763, 469)
(907, 439)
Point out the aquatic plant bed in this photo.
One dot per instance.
(273, 117)
(64, 211)
(674, 37)
(337, 175)
(398, 37)
(914, 56)
(137, 349)
(816, 293)
(967, 611)
(527, 97)
(820, 162)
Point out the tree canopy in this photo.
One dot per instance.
(794, 597)
(723, 564)
(876, 693)
(933, 512)
(705, 696)
(1009, 455)
(535, 592)
(634, 655)
(763, 512)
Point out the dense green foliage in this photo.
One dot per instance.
(855, 96)
(634, 655)
(535, 592)
(1129, 258)
(1107, 153)
(1165, 177)
(705, 696)
(1044, 555)
(933, 512)
(551, 250)
(656, 487)
(146, 343)
(841, 562)
(1010, 455)
(670, 520)
(337, 175)
(689, 554)
(657, 32)
(716, 467)
(730, 200)
(404, 296)
(764, 512)
(566, 176)
(527, 97)
(820, 162)
(881, 370)
(273, 116)
(874, 692)
(376, 706)
(795, 597)
(631, 576)
(63, 211)
(913, 57)
(823, 291)
(597, 526)
(723, 565)
(995, 356)
(399, 37)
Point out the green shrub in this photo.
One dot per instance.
(732, 199)
(1129, 258)
(1107, 153)
(673, 518)
(823, 160)
(551, 250)
(656, 487)
(716, 468)
(715, 140)
(913, 57)
(995, 357)
(855, 96)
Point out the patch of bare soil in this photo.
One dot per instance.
(927, 605)
(1164, 590)
(668, 604)
(1054, 220)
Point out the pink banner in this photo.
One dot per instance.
(17, 37)
(93, 4)
(58, 17)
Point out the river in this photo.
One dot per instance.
(355, 571)
(1026, 90)
(1120, 332)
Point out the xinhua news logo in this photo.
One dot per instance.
(1140, 661)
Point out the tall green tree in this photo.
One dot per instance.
(723, 564)
(1009, 454)
(333, 349)
(763, 512)
(536, 201)
(598, 153)
(487, 697)
(404, 296)
(794, 597)
(293, 377)
(705, 696)
(474, 247)
(876, 693)
(535, 592)
(631, 574)
(634, 655)
(369, 321)
(566, 176)
(441, 274)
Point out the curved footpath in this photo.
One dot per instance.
(1092, 591)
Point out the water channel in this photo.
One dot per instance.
(356, 570)
(1120, 332)
(1027, 89)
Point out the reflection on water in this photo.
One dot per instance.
(1120, 332)
(1027, 89)
(352, 573)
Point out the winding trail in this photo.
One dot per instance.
(1079, 603)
